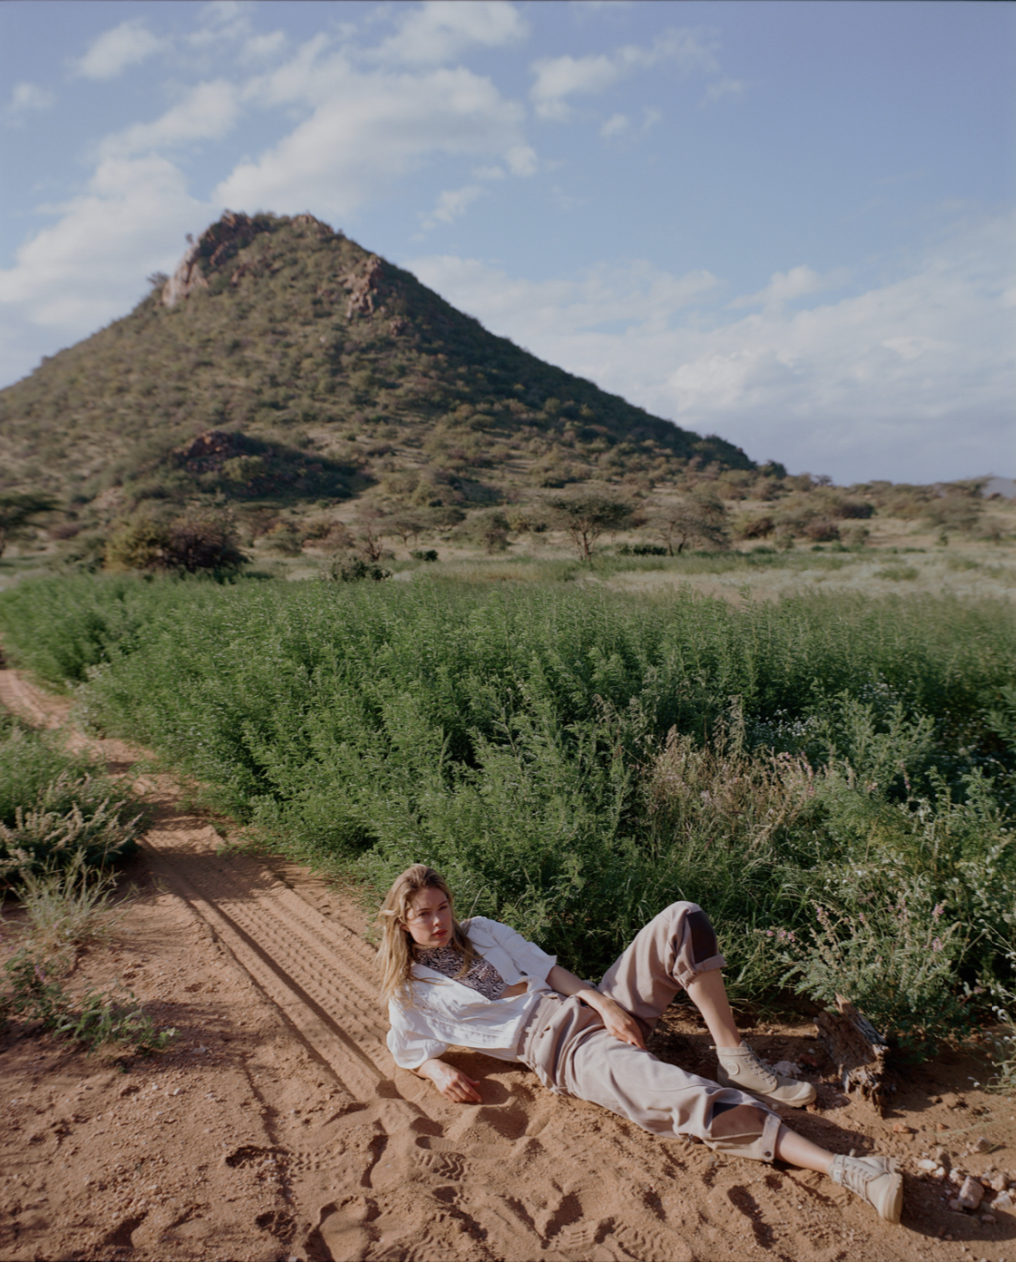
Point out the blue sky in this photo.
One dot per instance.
(791, 224)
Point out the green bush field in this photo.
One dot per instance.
(830, 776)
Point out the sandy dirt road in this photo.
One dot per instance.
(284, 1130)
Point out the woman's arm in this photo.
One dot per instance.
(451, 1082)
(622, 1025)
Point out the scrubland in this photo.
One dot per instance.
(831, 774)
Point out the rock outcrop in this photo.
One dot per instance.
(220, 242)
(363, 286)
(187, 277)
(209, 451)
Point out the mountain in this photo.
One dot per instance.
(284, 364)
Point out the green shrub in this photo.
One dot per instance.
(192, 543)
(67, 905)
(351, 569)
(573, 759)
(94, 1019)
(55, 808)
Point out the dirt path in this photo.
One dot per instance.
(284, 1130)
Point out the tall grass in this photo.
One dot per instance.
(574, 759)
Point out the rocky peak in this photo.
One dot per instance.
(219, 243)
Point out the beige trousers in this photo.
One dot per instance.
(567, 1046)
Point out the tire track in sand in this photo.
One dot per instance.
(396, 1172)
(318, 972)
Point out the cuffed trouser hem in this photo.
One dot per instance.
(667, 954)
(752, 1145)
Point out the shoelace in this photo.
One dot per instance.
(854, 1176)
(762, 1069)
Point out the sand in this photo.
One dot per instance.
(278, 1127)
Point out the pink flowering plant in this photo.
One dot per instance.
(893, 953)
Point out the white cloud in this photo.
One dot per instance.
(125, 45)
(263, 47)
(725, 87)
(367, 130)
(616, 125)
(453, 203)
(90, 265)
(798, 282)
(522, 160)
(634, 292)
(26, 98)
(912, 380)
(557, 78)
(560, 77)
(206, 113)
(440, 30)
(224, 12)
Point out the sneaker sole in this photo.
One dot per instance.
(775, 1099)
(726, 1081)
(892, 1203)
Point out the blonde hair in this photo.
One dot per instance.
(397, 952)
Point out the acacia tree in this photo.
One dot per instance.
(697, 517)
(16, 509)
(195, 542)
(372, 526)
(587, 514)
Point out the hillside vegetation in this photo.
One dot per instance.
(289, 391)
(320, 359)
(832, 776)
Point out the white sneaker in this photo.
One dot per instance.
(740, 1067)
(869, 1178)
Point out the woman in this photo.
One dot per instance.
(482, 985)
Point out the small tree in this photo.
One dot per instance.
(697, 517)
(587, 514)
(408, 526)
(371, 528)
(488, 526)
(189, 544)
(16, 509)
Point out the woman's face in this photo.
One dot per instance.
(429, 918)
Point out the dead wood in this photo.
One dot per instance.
(858, 1052)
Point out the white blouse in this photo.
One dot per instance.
(442, 1012)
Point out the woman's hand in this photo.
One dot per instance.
(451, 1082)
(619, 1023)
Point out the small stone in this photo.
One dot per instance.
(1003, 1201)
(955, 1206)
(971, 1193)
(941, 1126)
(981, 1144)
(939, 1173)
(941, 1155)
(926, 1164)
(987, 1219)
(899, 1128)
(787, 1069)
(998, 1183)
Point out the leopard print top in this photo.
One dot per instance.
(482, 976)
